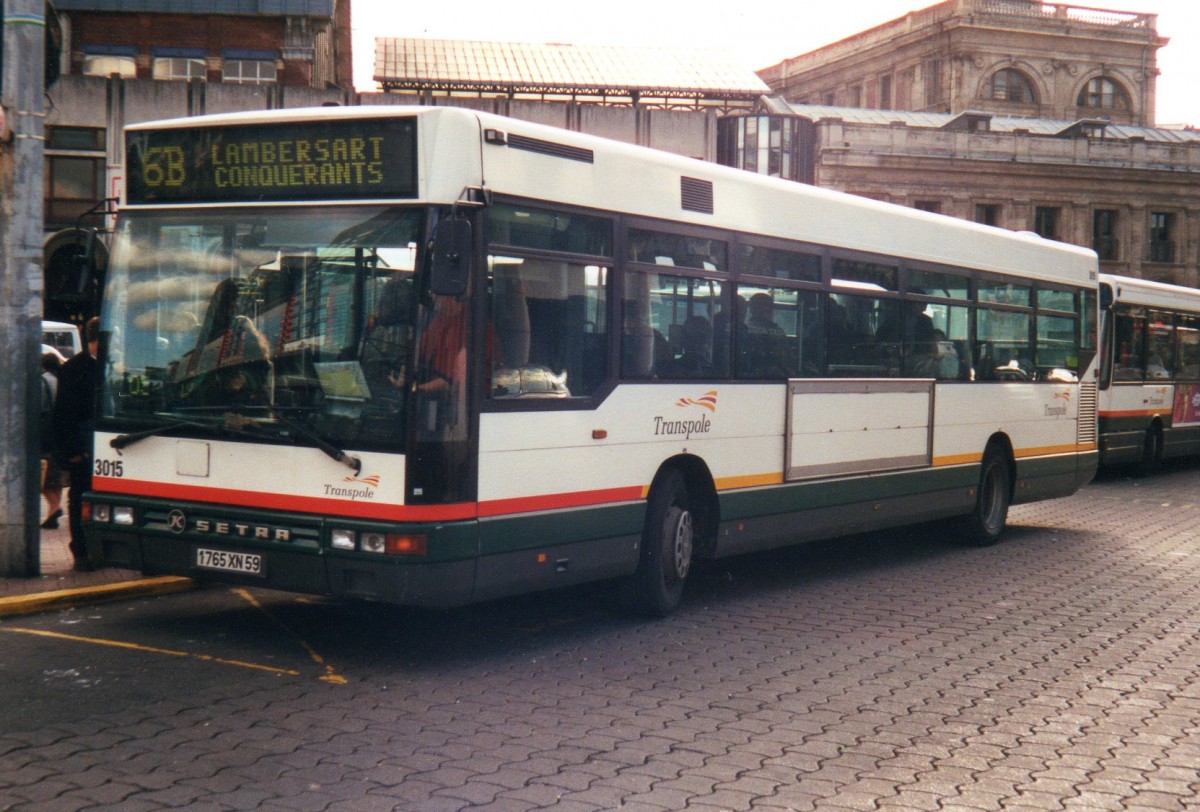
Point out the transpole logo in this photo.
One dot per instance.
(367, 492)
(707, 401)
(1061, 409)
(686, 428)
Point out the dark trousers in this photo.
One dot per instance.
(80, 474)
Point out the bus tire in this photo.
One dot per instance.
(668, 543)
(1152, 451)
(984, 524)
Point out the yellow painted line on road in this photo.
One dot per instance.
(64, 598)
(331, 676)
(95, 641)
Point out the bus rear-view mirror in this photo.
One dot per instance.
(451, 252)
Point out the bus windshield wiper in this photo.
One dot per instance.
(124, 440)
(232, 425)
(235, 421)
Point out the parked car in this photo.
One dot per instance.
(63, 337)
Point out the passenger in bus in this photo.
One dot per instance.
(764, 352)
(696, 344)
(441, 454)
(1002, 362)
(1155, 369)
(443, 352)
(1127, 366)
(841, 337)
(934, 359)
(908, 340)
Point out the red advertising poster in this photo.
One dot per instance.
(1187, 405)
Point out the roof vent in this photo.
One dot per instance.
(552, 148)
(696, 195)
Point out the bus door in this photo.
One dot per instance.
(439, 469)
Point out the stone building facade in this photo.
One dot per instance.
(1010, 57)
(1130, 193)
(1028, 115)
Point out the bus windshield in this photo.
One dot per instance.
(287, 324)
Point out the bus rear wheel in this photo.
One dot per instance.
(667, 546)
(983, 526)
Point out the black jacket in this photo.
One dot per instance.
(75, 407)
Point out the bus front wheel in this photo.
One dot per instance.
(983, 526)
(1152, 452)
(667, 545)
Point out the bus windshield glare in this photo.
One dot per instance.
(290, 324)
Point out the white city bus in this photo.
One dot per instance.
(1149, 372)
(430, 356)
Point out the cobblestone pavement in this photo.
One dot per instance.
(1057, 670)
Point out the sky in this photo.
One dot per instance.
(763, 32)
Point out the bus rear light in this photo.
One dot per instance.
(407, 544)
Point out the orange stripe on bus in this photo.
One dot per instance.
(1045, 451)
(1136, 413)
(957, 459)
(749, 481)
(1020, 453)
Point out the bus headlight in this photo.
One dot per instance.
(374, 543)
(342, 539)
(101, 513)
(122, 514)
(369, 541)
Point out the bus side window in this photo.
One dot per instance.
(641, 344)
(1160, 346)
(1002, 350)
(764, 350)
(1187, 342)
(1128, 345)
(547, 327)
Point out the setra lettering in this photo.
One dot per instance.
(256, 531)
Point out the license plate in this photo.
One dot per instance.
(245, 563)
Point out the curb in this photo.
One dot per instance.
(103, 593)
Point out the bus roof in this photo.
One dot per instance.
(1152, 294)
(593, 172)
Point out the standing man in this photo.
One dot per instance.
(74, 415)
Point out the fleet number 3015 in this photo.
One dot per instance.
(112, 468)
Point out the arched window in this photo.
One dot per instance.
(1103, 93)
(1012, 85)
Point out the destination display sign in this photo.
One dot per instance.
(309, 160)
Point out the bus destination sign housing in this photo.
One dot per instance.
(351, 159)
